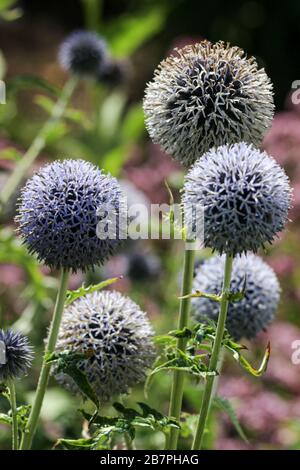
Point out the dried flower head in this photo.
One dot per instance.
(253, 313)
(83, 53)
(204, 96)
(15, 355)
(59, 212)
(117, 336)
(245, 196)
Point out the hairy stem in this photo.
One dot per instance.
(13, 404)
(178, 376)
(45, 370)
(215, 356)
(37, 144)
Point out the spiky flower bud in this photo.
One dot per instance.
(205, 95)
(244, 194)
(59, 210)
(117, 336)
(83, 53)
(248, 316)
(15, 355)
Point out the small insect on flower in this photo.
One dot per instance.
(15, 355)
(244, 195)
(83, 53)
(205, 95)
(117, 337)
(60, 210)
(248, 316)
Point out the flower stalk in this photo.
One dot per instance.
(215, 356)
(13, 404)
(45, 370)
(178, 377)
(38, 143)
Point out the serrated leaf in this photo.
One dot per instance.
(67, 363)
(184, 333)
(235, 352)
(5, 419)
(198, 293)
(224, 405)
(76, 444)
(82, 291)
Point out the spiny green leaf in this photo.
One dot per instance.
(76, 444)
(5, 419)
(216, 298)
(225, 405)
(67, 362)
(235, 352)
(82, 291)
(184, 333)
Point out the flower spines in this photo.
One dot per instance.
(205, 95)
(118, 337)
(59, 210)
(83, 53)
(16, 355)
(244, 194)
(255, 311)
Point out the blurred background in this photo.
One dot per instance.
(104, 124)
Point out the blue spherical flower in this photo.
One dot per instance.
(244, 196)
(206, 95)
(60, 210)
(117, 336)
(83, 53)
(246, 317)
(15, 355)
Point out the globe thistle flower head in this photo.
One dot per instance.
(117, 336)
(83, 53)
(59, 212)
(205, 95)
(244, 194)
(15, 355)
(248, 316)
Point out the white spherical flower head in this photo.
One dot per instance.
(117, 336)
(205, 95)
(254, 312)
(244, 195)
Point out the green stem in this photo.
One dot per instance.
(214, 360)
(37, 144)
(13, 404)
(178, 376)
(92, 14)
(45, 370)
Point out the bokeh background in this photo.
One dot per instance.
(104, 124)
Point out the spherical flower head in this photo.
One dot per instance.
(60, 210)
(83, 53)
(15, 355)
(205, 95)
(248, 316)
(244, 195)
(117, 336)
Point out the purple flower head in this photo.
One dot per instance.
(117, 336)
(244, 194)
(15, 355)
(59, 212)
(246, 317)
(83, 53)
